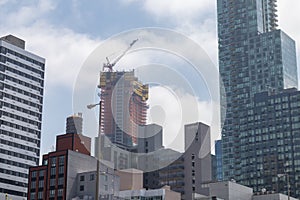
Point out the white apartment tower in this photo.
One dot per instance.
(21, 103)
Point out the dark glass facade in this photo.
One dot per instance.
(254, 57)
(272, 146)
(219, 167)
(173, 174)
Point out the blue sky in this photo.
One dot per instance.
(66, 32)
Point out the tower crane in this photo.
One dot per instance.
(110, 65)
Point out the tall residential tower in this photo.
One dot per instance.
(21, 104)
(257, 62)
(123, 106)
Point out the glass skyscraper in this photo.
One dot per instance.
(257, 63)
(21, 102)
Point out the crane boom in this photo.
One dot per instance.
(109, 65)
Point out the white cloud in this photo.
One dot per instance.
(28, 14)
(3, 2)
(194, 18)
(205, 34)
(64, 49)
(65, 52)
(176, 9)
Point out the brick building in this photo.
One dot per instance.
(56, 177)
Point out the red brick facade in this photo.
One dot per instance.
(49, 181)
(74, 142)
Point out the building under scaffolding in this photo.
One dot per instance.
(123, 107)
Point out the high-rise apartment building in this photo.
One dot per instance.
(21, 104)
(255, 57)
(123, 106)
(273, 153)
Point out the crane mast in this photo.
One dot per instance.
(109, 65)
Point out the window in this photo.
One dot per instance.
(3, 50)
(32, 196)
(2, 59)
(33, 175)
(60, 181)
(52, 193)
(41, 173)
(1, 77)
(105, 178)
(61, 160)
(81, 188)
(197, 136)
(92, 177)
(53, 162)
(41, 183)
(33, 183)
(82, 178)
(61, 170)
(60, 192)
(52, 182)
(53, 171)
(40, 195)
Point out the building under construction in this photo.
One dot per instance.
(123, 106)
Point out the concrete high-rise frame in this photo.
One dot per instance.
(123, 108)
(21, 104)
(255, 57)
